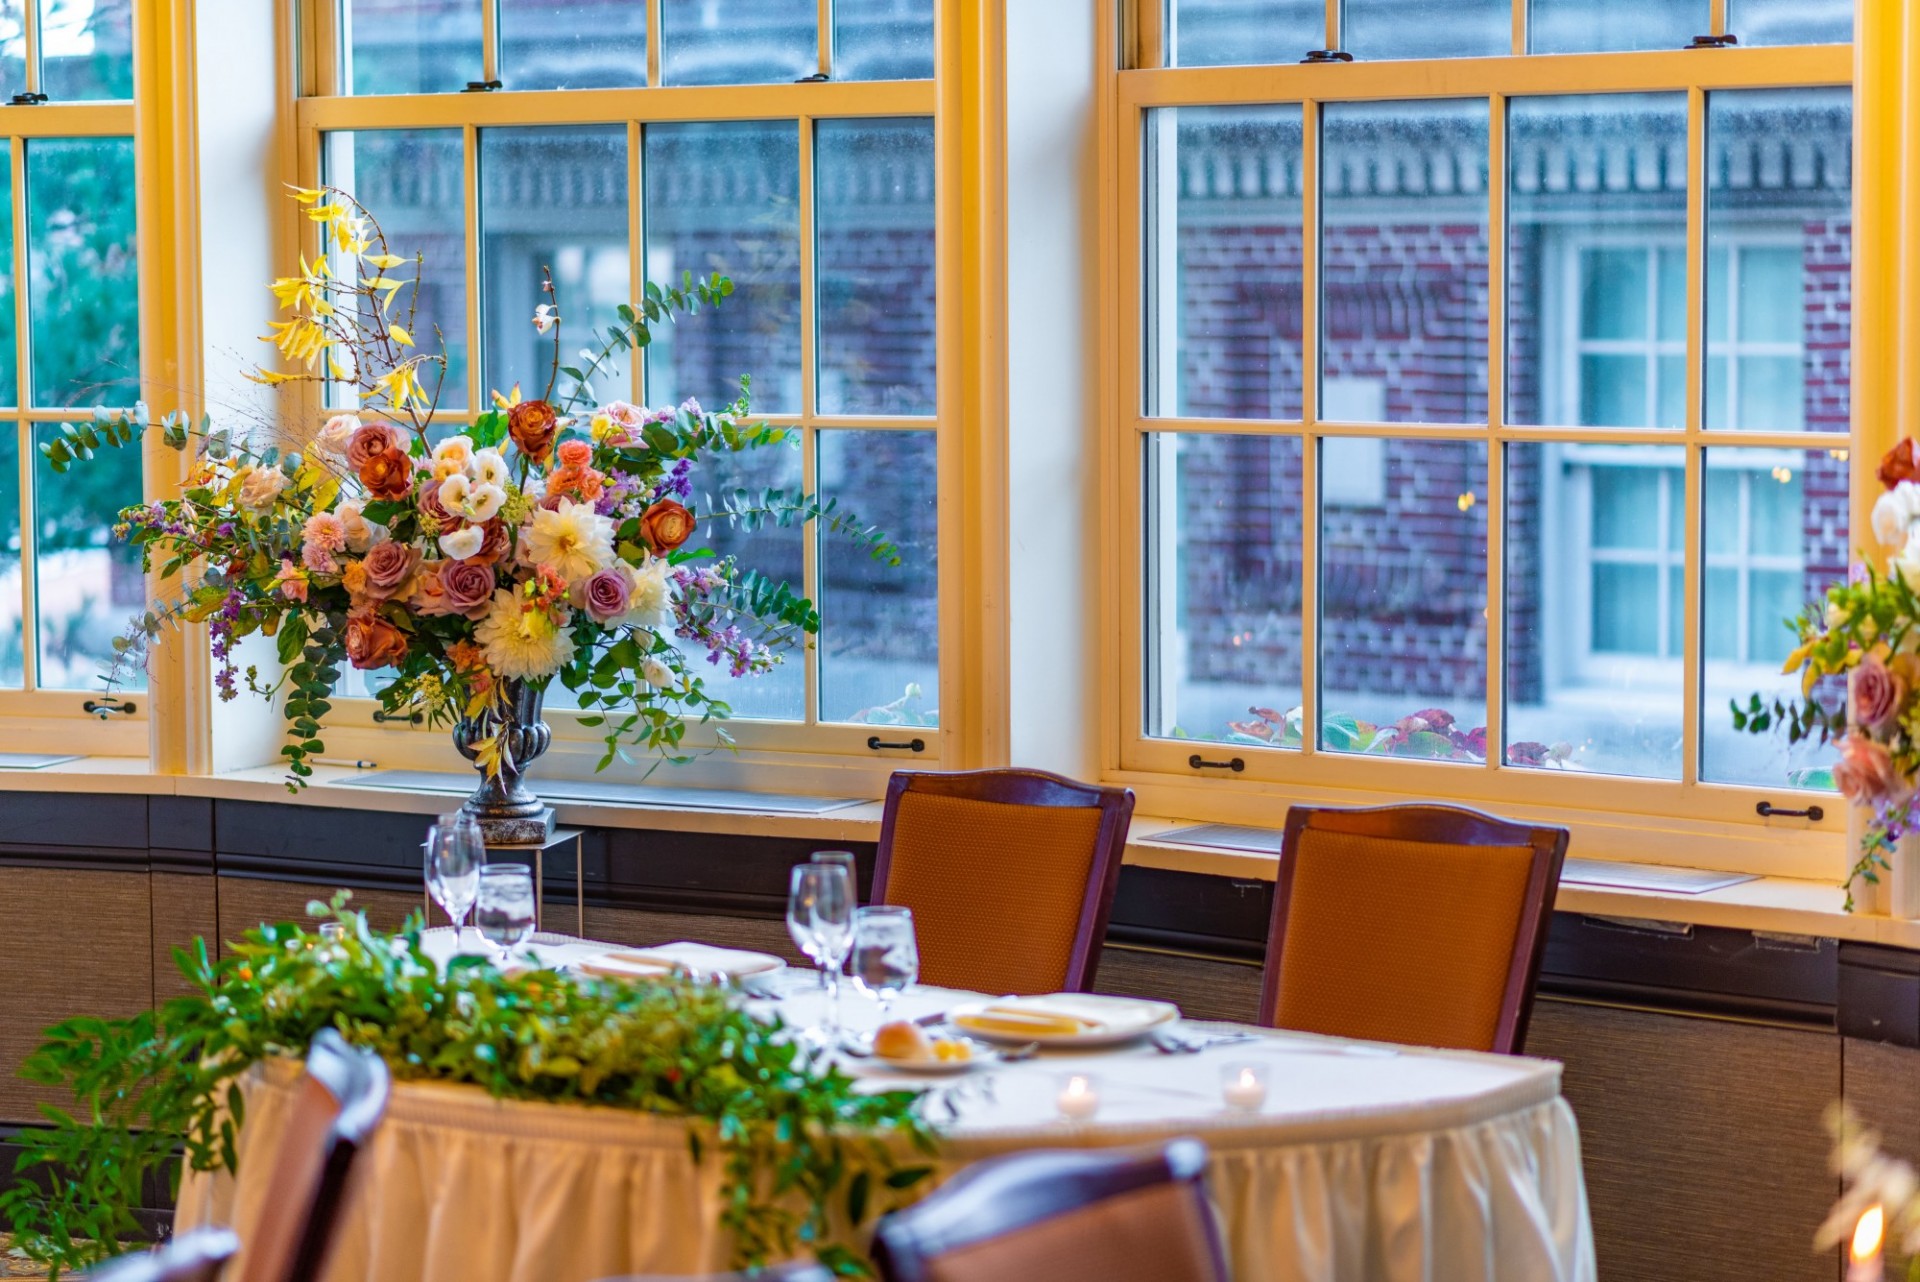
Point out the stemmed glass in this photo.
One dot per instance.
(820, 915)
(886, 960)
(456, 852)
(839, 859)
(505, 907)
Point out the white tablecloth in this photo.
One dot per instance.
(1365, 1166)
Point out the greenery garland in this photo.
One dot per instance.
(797, 1141)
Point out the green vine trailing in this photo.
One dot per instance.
(798, 1144)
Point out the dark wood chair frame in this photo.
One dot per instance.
(1018, 787)
(1006, 1195)
(197, 1256)
(360, 1084)
(1441, 825)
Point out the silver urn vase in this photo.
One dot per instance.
(508, 812)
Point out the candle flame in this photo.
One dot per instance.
(1867, 1234)
(1246, 1077)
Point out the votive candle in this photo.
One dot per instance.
(1863, 1259)
(1078, 1100)
(1244, 1087)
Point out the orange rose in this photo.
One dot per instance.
(495, 545)
(1899, 464)
(533, 425)
(665, 526)
(372, 642)
(388, 475)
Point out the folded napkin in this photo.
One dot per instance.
(665, 959)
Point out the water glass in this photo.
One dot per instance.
(821, 901)
(504, 908)
(886, 960)
(456, 852)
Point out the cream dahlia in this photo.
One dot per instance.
(572, 539)
(521, 640)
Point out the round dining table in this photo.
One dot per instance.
(1366, 1163)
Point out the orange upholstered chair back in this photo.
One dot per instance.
(1010, 875)
(1415, 924)
(1061, 1217)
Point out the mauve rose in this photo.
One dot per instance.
(429, 597)
(388, 566)
(495, 545)
(388, 475)
(469, 586)
(666, 526)
(431, 505)
(604, 594)
(368, 441)
(532, 425)
(1877, 694)
(1866, 775)
(372, 642)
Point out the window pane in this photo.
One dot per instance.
(12, 646)
(85, 292)
(1596, 188)
(725, 198)
(1778, 225)
(554, 199)
(883, 39)
(87, 585)
(1792, 547)
(412, 180)
(1594, 582)
(1214, 33)
(13, 49)
(1403, 597)
(1224, 274)
(1791, 22)
(873, 214)
(412, 46)
(1223, 609)
(572, 44)
(86, 49)
(775, 551)
(738, 42)
(1403, 297)
(1427, 28)
(1586, 26)
(9, 385)
(880, 635)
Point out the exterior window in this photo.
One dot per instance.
(817, 200)
(1464, 432)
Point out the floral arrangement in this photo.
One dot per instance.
(551, 538)
(1431, 733)
(801, 1146)
(1859, 663)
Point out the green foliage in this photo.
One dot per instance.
(794, 1138)
(749, 511)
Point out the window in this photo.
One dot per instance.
(1478, 443)
(69, 341)
(817, 198)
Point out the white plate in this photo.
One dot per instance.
(664, 959)
(1120, 1020)
(981, 1057)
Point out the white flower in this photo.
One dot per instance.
(1895, 512)
(657, 673)
(452, 457)
(649, 599)
(261, 486)
(545, 317)
(484, 503)
(362, 534)
(489, 468)
(464, 542)
(521, 642)
(454, 491)
(338, 430)
(574, 541)
(1907, 563)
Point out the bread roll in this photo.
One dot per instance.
(902, 1040)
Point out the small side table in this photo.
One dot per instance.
(536, 855)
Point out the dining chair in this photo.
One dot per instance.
(1010, 875)
(340, 1101)
(1416, 924)
(198, 1256)
(1065, 1215)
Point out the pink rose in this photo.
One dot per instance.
(389, 565)
(429, 597)
(1866, 775)
(1877, 694)
(430, 504)
(469, 586)
(368, 442)
(604, 595)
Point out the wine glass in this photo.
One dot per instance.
(800, 921)
(504, 910)
(886, 960)
(822, 899)
(456, 852)
(841, 859)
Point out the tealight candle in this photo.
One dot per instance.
(1864, 1258)
(1244, 1087)
(1077, 1100)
